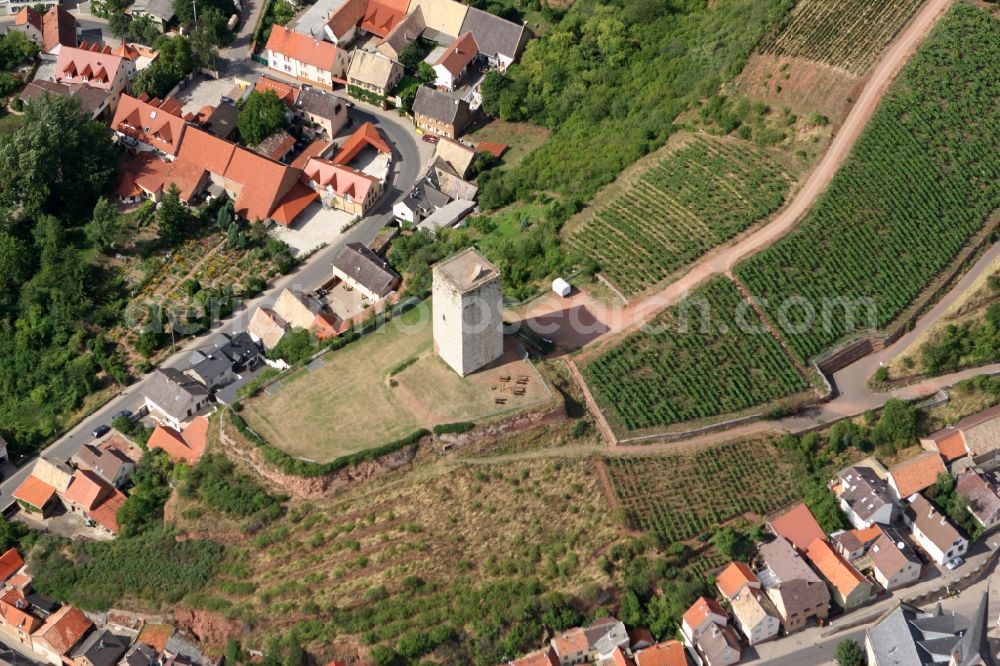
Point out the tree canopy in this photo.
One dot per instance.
(261, 116)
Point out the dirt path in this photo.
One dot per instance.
(724, 258)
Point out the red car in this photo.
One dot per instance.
(430, 138)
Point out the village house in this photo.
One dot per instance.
(894, 563)
(62, 631)
(447, 216)
(797, 593)
(984, 504)
(705, 627)
(160, 12)
(100, 648)
(667, 653)
(110, 464)
(406, 31)
(276, 146)
(798, 526)
(364, 271)
(312, 60)
(864, 497)
(456, 154)
(144, 124)
(585, 645)
(977, 435)
(932, 531)
(50, 31)
(17, 618)
(499, 41)
(91, 497)
(173, 397)
(181, 446)
(327, 111)
(10, 563)
(374, 73)
(94, 103)
(755, 615)
(301, 311)
(286, 92)
(342, 187)
(848, 586)
(449, 182)
(439, 113)
(916, 474)
(223, 360)
(853, 544)
(734, 578)
(546, 657)
(443, 18)
(97, 67)
(454, 62)
(423, 199)
(140, 654)
(38, 491)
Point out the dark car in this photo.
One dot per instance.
(101, 430)
(227, 100)
(123, 414)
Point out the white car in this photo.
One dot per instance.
(954, 563)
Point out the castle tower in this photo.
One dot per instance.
(468, 311)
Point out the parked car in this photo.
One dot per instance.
(227, 100)
(101, 430)
(954, 563)
(123, 414)
(430, 138)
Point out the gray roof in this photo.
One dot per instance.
(366, 268)
(161, 9)
(494, 35)
(934, 524)
(424, 198)
(180, 646)
(173, 391)
(223, 120)
(864, 491)
(91, 99)
(448, 216)
(318, 103)
(101, 648)
(405, 31)
(141, 654)
(440, 106)
(106, 463)
(785, 563)
(451, 183)
(970, 649)
(908, 636)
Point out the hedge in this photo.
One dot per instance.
(296, 467)
(366, 96)
(458, 427)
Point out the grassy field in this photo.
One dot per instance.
(849, 34)
(693, 362)
(699, 194)
(521, 137)
(680, 497)
(377, 390)
(922, 181)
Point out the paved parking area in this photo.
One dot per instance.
(62, 523)
(312, 228)
(345, 302)
(204, 91)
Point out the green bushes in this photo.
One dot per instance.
(216, 481)
(458, 427)
(366, 96)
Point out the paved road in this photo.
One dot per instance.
(409, 158)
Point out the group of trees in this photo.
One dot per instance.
(260, 116)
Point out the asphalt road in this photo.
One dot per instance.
(407, 165)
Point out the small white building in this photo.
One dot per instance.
(932, 531)
(561, 287)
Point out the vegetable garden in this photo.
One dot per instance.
(699, 196)
(849, 34)
(708, 355)
(922, 180)
(677, 498)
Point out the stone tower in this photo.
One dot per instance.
(468, 311)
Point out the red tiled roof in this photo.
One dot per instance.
(10, 562)
(915, 474)
(668, 653)
(459, 54)
(570, 642)
(844, 577)
(495, 149)
(265, 182)
(347, 17)
(64, 629)
(286, 93)
(35, 492)
(296, 201)
(181, 446)
(303, 48)
(27, 16)
(106, 513)
(541, 658)
(13, 610)
(314, 149)
(734, 578)
(952, 447)
(58, 27)
(799, 526)
(701, 610)
(366, 135)
(86, 489)
(81, 65)
(380, 18)
(345, 181)
(206, 150)
(153, 124)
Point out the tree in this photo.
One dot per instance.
(261, 116)
(16, 48)
(171, 216)
(413, 53)
(732, 544)
(184, 9)
(849, 653)
(203, 43)
(897, 426)
(105, 226)
(426, 73)
(296, 345)
(118, 24)
(846, 434)
(493, 86)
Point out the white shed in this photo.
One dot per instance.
(561, 287)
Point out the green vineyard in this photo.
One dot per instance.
(708, 355)
(849, 34)
(677, 498)
(700, 195)
(922, 180)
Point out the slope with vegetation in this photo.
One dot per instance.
(922, 181)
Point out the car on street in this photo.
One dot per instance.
(101, 430)
(123, 414)
(954, 563)
(430, 138)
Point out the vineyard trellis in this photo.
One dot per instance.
(849, 34)
(708, 355)
(921, 182)
(700, 195)
(677, 498)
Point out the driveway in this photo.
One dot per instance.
(314, 227)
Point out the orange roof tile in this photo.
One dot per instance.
(701, 610)
(952, 447)
(181, 446)
(206, 150)
(734, 578)
(541, 658)
(58, 27)
(35, 492)
(799, 526)
(461, 52)
(285, 92)
(64, 629)
(27, 16)
(81, 65)
(314, 149)
(366, 135)
(495, 149)
(618, 658)
(668, 653)
(571, 641)
(270, 181)
(915, 474)
(86, 489)
(296, 46)
(14, 611)
(10, 562)
(296, 201)
(844, 577)
(105, 514)
(343, 180)
(347, 17)
(152, 124)
(380, 18)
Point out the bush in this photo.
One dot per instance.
(217, 482)
(458, 427)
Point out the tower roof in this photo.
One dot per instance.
(466, 270)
